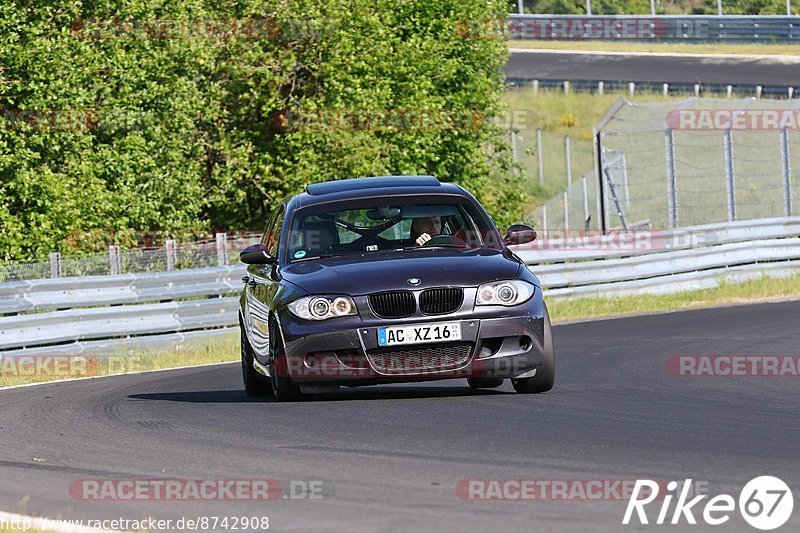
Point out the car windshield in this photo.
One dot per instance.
(384, 225)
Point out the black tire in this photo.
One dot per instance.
(484, 383)
(546, 373)
(283, 388)
(255, 384)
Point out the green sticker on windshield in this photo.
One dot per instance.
(299, 254)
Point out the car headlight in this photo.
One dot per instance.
(509, 292)
(322, 307)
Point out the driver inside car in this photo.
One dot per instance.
(424, 229)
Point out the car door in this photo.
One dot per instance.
(263, 285)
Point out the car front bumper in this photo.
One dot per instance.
(496, 342)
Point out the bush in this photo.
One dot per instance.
(118, 128)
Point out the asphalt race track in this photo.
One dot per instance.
(389, 458)
(783, 71)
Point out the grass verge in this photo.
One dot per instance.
(753, 291)
(20, 370)
(662, 48)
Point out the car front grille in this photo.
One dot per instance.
(420, 359)
(394, 304)
(440, 301)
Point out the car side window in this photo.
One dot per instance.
(275, 232)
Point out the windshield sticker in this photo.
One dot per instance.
(299, 254)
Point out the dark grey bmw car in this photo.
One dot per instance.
(390, 279)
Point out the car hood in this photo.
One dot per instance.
(380, 271)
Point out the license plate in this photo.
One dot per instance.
(438, 332)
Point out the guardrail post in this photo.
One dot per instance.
(172, 255)
(719, 7)
(539, 153)
(759, 90)
(521, 6)
(222, 249)
(631, 88)
(566, 87)
(55, 264)
(589, 8)
(114, 260)
(567, 151)
(729, 90)
(535, 87)
(601, 87)
(787, 171)
(665, 89)
(729, 177)
(672, 194)
(791, 92)
(697, 90)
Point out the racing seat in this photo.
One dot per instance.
(320, 236)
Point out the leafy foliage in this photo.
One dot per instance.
(171, 115)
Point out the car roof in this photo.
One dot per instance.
(354, 188)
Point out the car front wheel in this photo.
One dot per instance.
(254, 383)
(545, 375)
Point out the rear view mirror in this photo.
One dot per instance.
(519, 234)
(256, 254)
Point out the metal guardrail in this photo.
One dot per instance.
(108, 313)
(659, 28)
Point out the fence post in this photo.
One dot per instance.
(566, 210)
(514, 153)
(55, 264)
(787, 171)
(222, 249)
(539, 153)
(567, 151)
(544, 217)
(729, 177)
(672, 195)
(171, 255)
(114, 260)
(585, 200)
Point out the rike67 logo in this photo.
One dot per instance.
(765, 503)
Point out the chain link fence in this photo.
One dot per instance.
(701, 161)
(698, 161)
(222, 250)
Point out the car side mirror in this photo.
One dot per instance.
(519, 234)
(257, 254)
